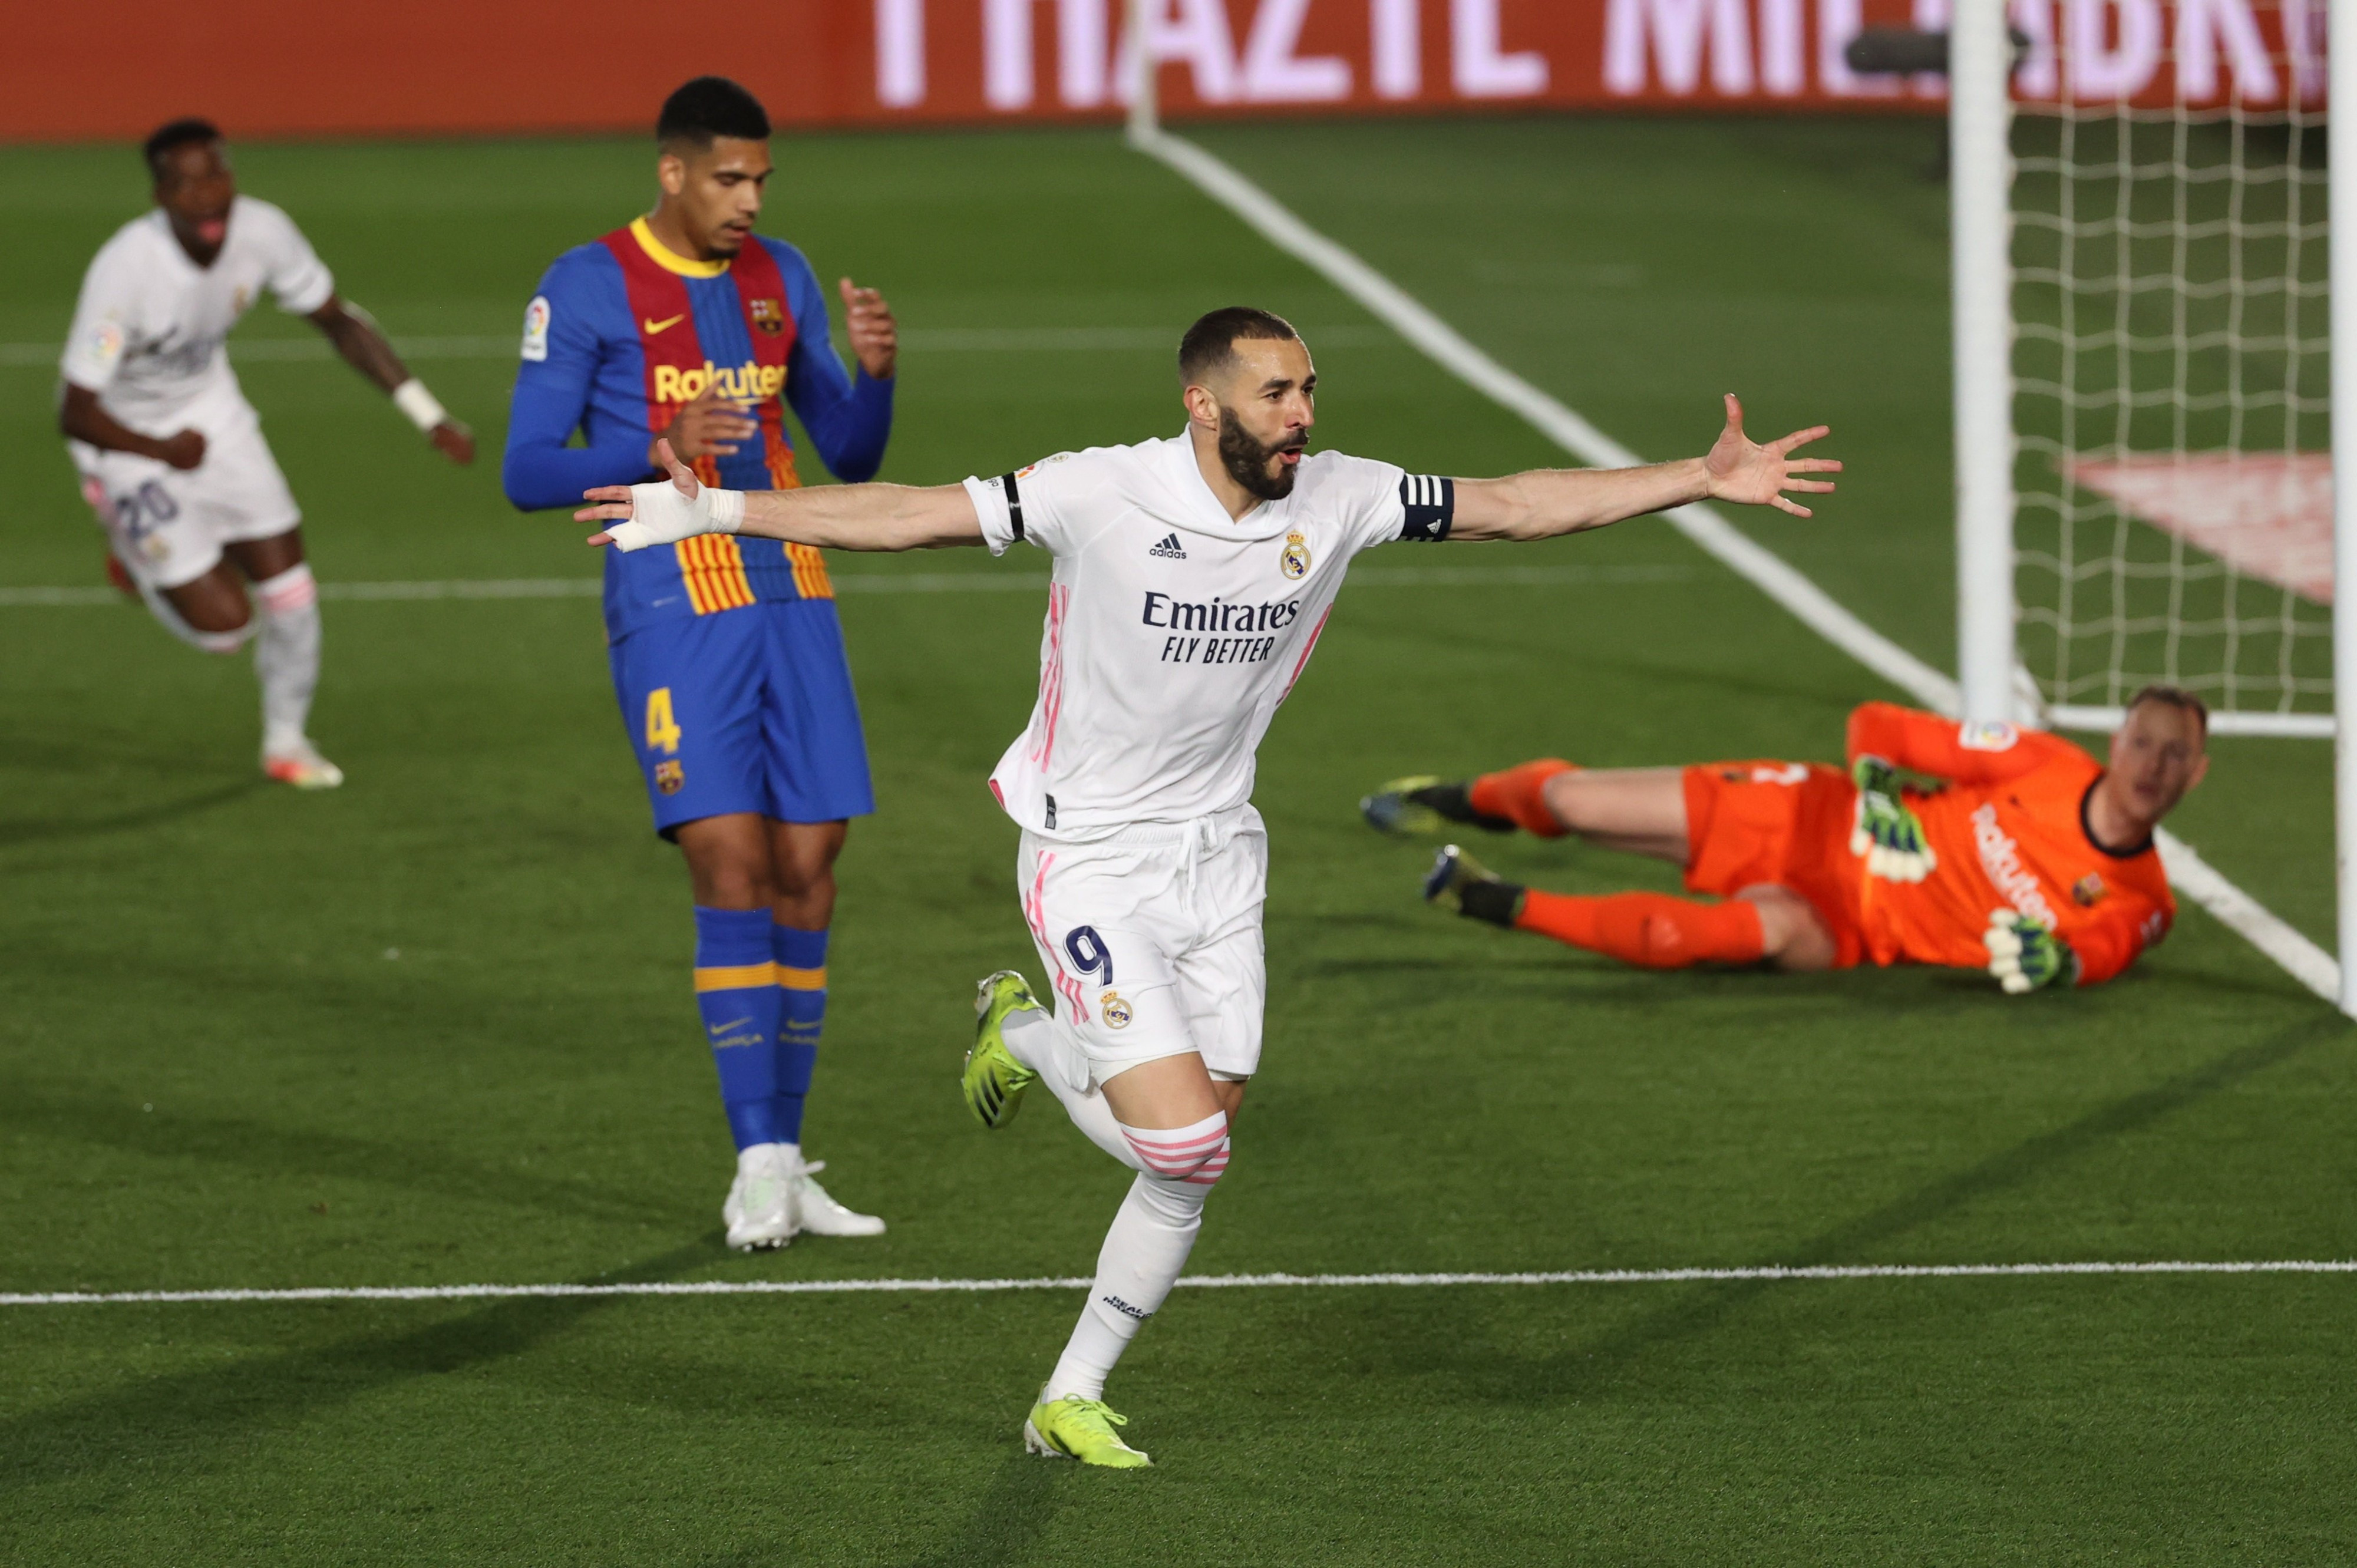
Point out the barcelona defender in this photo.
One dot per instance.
(2029, 859)
(685, 326)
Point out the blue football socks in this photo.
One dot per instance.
(736, 991)
(801, 984)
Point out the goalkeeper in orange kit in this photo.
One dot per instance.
(2024, 857)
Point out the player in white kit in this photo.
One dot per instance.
(171, 455)
(1191, 579)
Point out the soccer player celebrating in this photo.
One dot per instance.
(1191, 579)
(685, 328)
(171, 455)
(2031, 860)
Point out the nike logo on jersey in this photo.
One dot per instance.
(1170, 549)
(653, 327)
(732, 1023)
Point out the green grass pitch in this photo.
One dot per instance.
(434, 1027)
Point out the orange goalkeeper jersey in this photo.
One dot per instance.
(2009, 830)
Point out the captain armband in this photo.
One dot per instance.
(1430, 503)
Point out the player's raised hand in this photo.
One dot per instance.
(867, 325)
(1741, 469)
(454, 441)
(663, 512)
(708, 425)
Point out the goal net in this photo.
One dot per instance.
(2172, 477)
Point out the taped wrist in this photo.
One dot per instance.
(425, 410)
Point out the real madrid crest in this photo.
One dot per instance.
(1295, 562)
(1114, 1010)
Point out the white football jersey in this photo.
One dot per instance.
(1173, 630)
(148, 330)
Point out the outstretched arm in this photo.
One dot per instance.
(1548, 501)
(1940, 747)
(833, 517)
(358, 338)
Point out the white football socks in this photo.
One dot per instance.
(1043, 1045)
(1156, 1226)
(286, 654)
(1152, 1234)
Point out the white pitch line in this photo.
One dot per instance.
(1762, 1273)
(1631, 574)
(916, 340)
(1771, 573)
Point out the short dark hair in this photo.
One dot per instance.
(2176, 697)
(1212, 341)
(711, 107)
(178, 133)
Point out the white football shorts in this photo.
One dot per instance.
(168, 525)
(1151, 938)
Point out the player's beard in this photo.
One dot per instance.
(1246, 458)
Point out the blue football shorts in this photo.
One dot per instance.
(744, 710)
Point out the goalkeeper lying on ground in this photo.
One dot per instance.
(2031, 860)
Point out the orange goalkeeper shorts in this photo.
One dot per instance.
(1782, 823)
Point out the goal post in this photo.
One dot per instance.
(2343, 157)
(1980, 112)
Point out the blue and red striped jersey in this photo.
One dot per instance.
(623, 334)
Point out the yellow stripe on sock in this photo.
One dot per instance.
(736, 977)
(802, 979)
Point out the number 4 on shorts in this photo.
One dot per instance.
(663, 730)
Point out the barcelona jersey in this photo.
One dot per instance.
(622, 335)
(2009, 832)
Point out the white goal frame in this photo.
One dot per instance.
(1994, 688)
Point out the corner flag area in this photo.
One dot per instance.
(357, 1149)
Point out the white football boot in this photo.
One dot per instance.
(301, 765)
(822, 1215)
(760, 1209)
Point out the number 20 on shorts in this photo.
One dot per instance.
(662, 729)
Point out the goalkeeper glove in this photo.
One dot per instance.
(660, 515)
(1886, 832)
(2025, 955)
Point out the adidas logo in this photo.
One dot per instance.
(1170, 549)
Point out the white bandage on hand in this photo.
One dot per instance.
(660, 515)
(425, 410)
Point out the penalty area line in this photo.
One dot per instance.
(1765, 1274)
(1771, 573)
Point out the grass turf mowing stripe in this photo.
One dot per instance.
(1772, 574)
(1768, 1271)
(896, 583)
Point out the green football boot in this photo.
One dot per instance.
(1083, 1429)
(993, 1081)
(1424, 805)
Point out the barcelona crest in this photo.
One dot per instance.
(670, 775)
(769, 315)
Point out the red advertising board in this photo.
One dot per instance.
(298, 68)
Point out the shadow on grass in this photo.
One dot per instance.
(1580, 1371)
(193, 1420)
(50, 830)
(1007, 1518)
(273, 1151)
